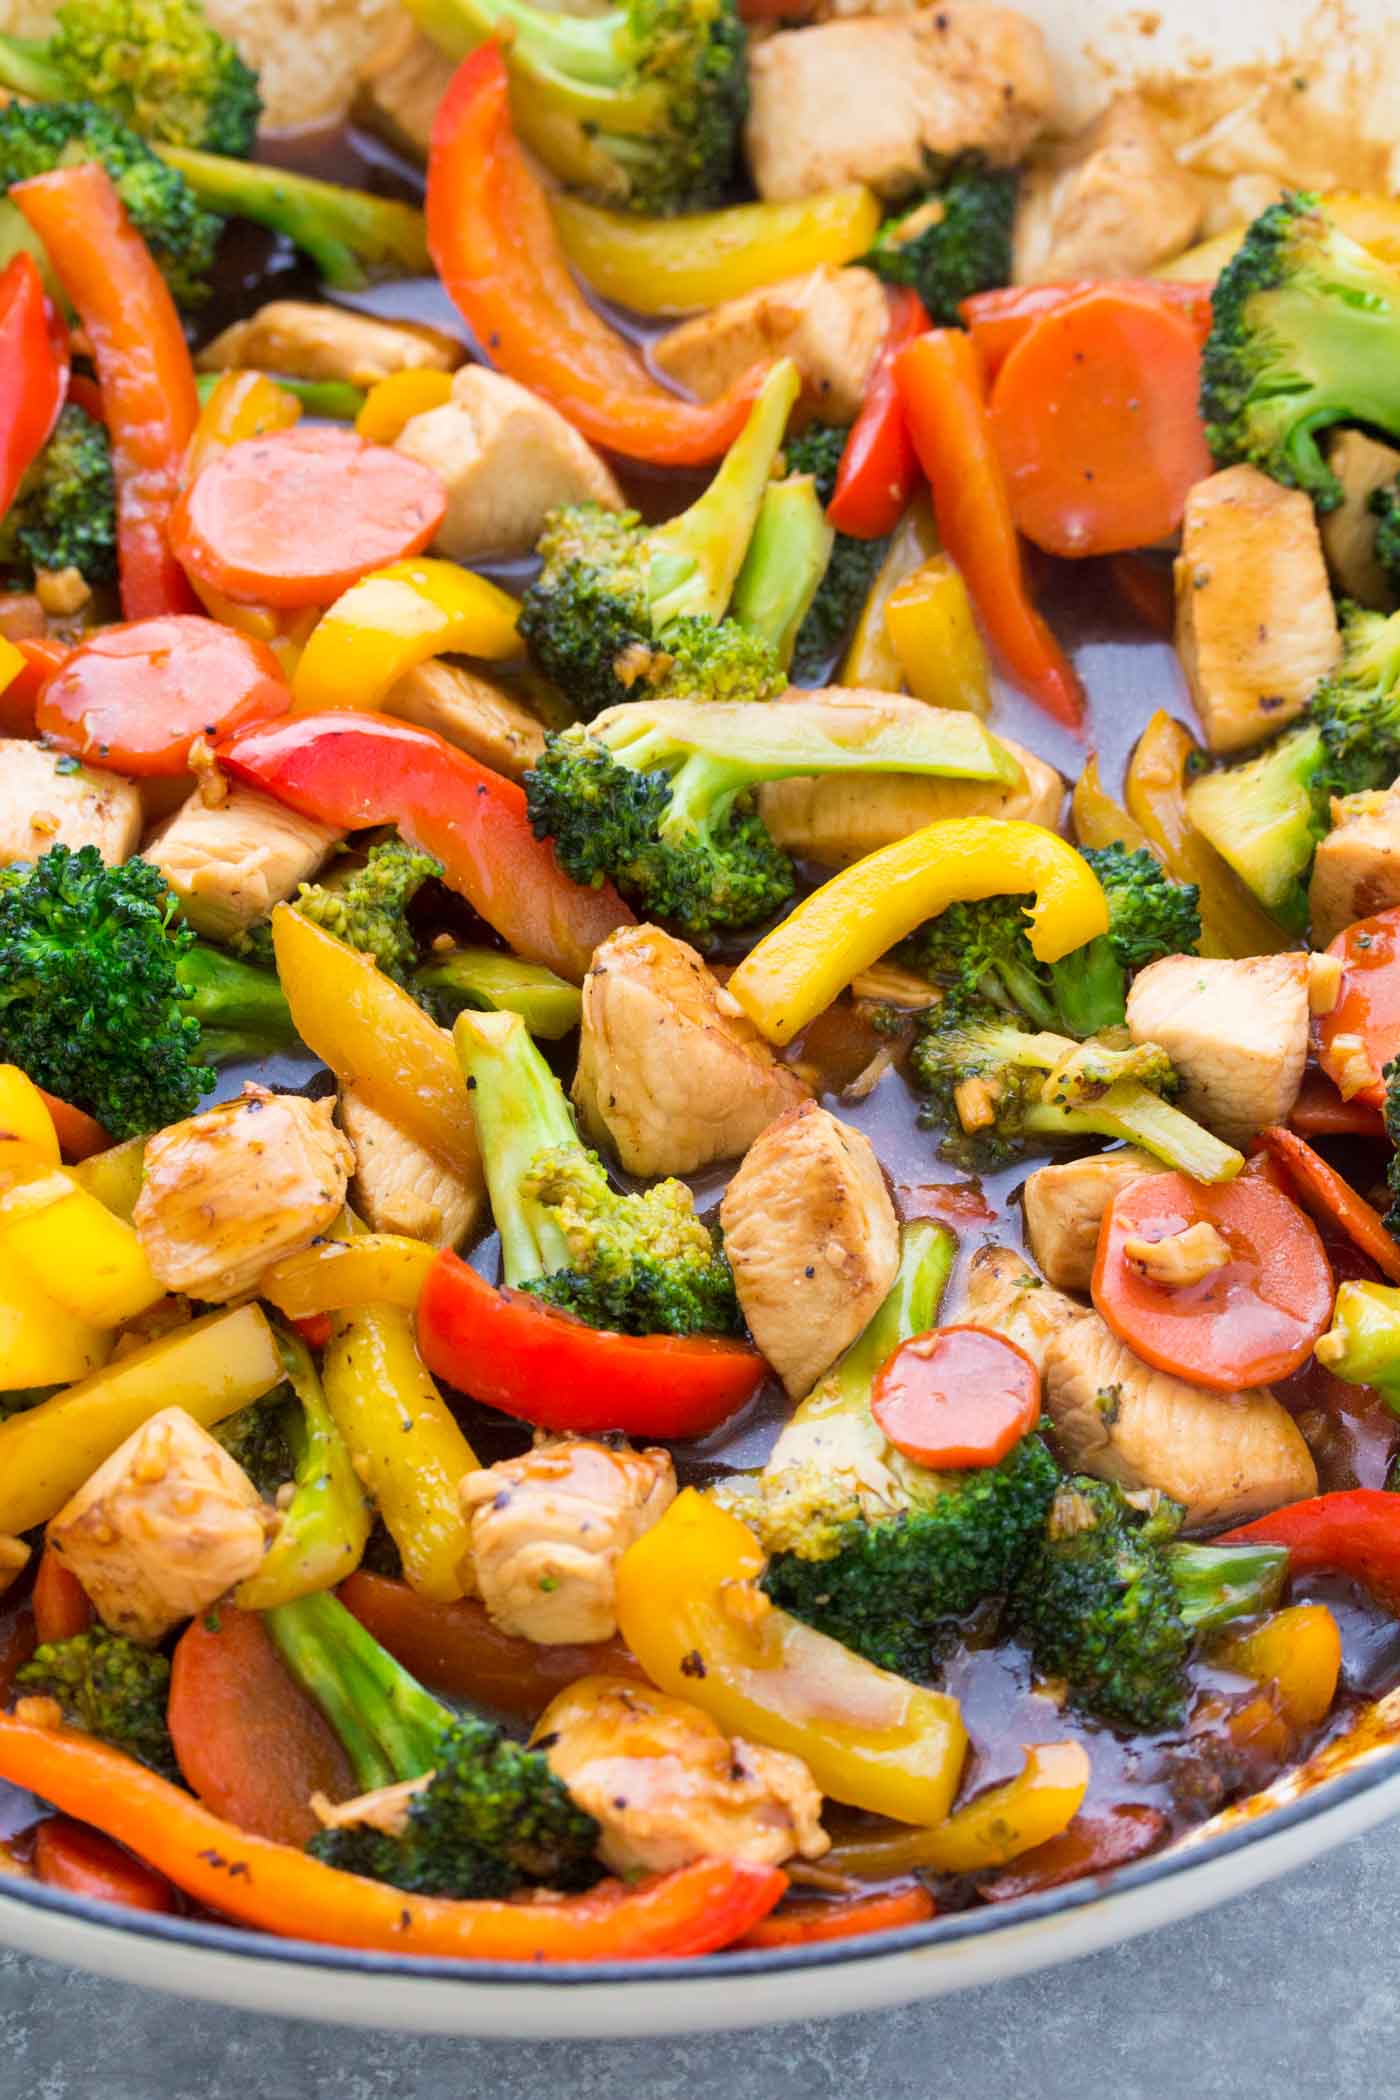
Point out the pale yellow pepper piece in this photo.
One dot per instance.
(115, 1176)
(870, 660)
(393, 620)
(72, 1247)
(992, 1829)
(1098, 819)
(935, 638)
(1299, 1652)
(377, 1268)
(395, 401)
(23, 1114)
(40, 1341)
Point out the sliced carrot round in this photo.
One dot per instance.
(135, 698)
(958, 1397)
(1097, 426)
(1248, 1322)
(296, 517)
(1363, 1028)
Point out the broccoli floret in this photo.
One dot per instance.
(488, 1817)
(349, 234)
(1385, 508)
(256, 1439)
(161, 205)
(368, 910)
(638, 1264)
(1306, 335)
(714, 660)
(1110, 1606)
(851, 566)
(953, 243)
(978, 950)
(1362, 1346)
(157, 66)
(110, 1687)
(65, 515)
(597, 618)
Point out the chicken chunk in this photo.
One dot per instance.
(1065, 1207)
(1363, 465)
(667, 1786)
(813, 1239)
(1255, 624)
(1113, 202)
(228, 1192)
(229, 863)
(1004, 1293)
(880, 100)
(400, 1186)
(476, 716)
(670, 1072)
(1357, 869)
(327, 342)
(1237, 1033)
(831, 322)
(400, 86)
(506, 459)
(306, 53)
(164, 1526)
(43, 803)
(548, 1530)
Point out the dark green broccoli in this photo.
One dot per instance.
(1385, 508)
(598, 618)
(782, 573)
(851, 567)
(638, 1264)
(349, 234)
(65, 514)
(494, 982)
(1111, 1606)
(163, 208)
(953, 243)
(112, 1688)
(489, 1816)
(978, 950)
(1306, 335)
(714, 660)
(368, 907)
(656, 796)
(157, 66)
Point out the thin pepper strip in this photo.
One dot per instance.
(990, 1830)
(1355, 1532)
(33, 376)
(879, 471)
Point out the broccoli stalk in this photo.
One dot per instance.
(785, 564)
(157, 66)
(493, 982)
(367, 908)
(851, 567)
(639, 1264)
(953, 243)
(111, 1687)
(326, 1522)
(65, 513)
(1362, 1346)
(487, 1816)
(347, 233)
(242, 1011)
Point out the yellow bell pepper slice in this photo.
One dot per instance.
(115, 1176)
(677, 266)
(395, 401)
(689, 1608)
(1098, 819)
(798, 969)
(393, 620)
(1299, 1652)
(934, 635)
(12, 662)
(40, 1341)
(210, 1367)
(992, 1829)
(377, 1268)
(23, 1114)
(73, 1248)
(870, 660)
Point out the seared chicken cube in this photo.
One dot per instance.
(471, 713)
(228, 1192)
(667, 1786)
(671, 1073)
(306, 57)
(1065, 1206)
(1112, 202)
(1256, 628)
(1357, 869)
(399, 1185)
(506, 459)
(1004, 1293)
(1363, 465)
(548, 1530)
(302, 341)
(400, 87)
(831, 322)
(230, 862)
(44, 802)
(881, 100)
(1237, 1033)
(163, 1528)
(813, 1240)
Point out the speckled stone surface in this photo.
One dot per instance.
(1293, 1990)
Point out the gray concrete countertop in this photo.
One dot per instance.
(1294, 1989)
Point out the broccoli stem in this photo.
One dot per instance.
(785, 564)
(520, 1112)
(1362, 1346)
(389, 1726)
(242, 1011)
(491, 982)
(927, 1252)
(326, 1524)
(334, 399)
(1140, 1117)
(346, 232)
(1215, 1584)
(27, 69)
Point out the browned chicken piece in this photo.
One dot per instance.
(813, 1240)
(1363, 465)
(1065, 1206)
(879, 100)
(163, 1528)
(1180, 1258)
(306, 56)
(1357, 869)
(1004, 1293)
(14, 1559)
(831, 322)
(229, 863)
(506, 459)
(1237, 1033)
(43, 804)
(400, 87)
(667, 1786)
(548, 1530)
(302, 341)
(476, 716)
(384, 1808)
(399, 1186)
(671, 1073)
(1112, 202)
(228, 1192)
(1256, 628)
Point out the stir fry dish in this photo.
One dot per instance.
(654, 1296)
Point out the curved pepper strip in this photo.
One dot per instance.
(1098, 819)
(258, 1882)
(326, 1525)
(991, 1830)
(374, 1268)
(143, 364)
(1355, 1532)
(353, 770)
(396, 399)
(689, 1608)
(798, 969)
(393, 620)
(879, 470)
(494, 247)
(539, 1365)
(33, 376)
(1332, 1199)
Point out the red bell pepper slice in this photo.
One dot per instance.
(997, 321)
(1355, 1532)
(143, 363)
(808, 1924)
(42, 657)
(352, 770)
(940, 383)
(33, 374)
(539, 1365)
(879, 470)
(493, 244)
(71, 1856)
